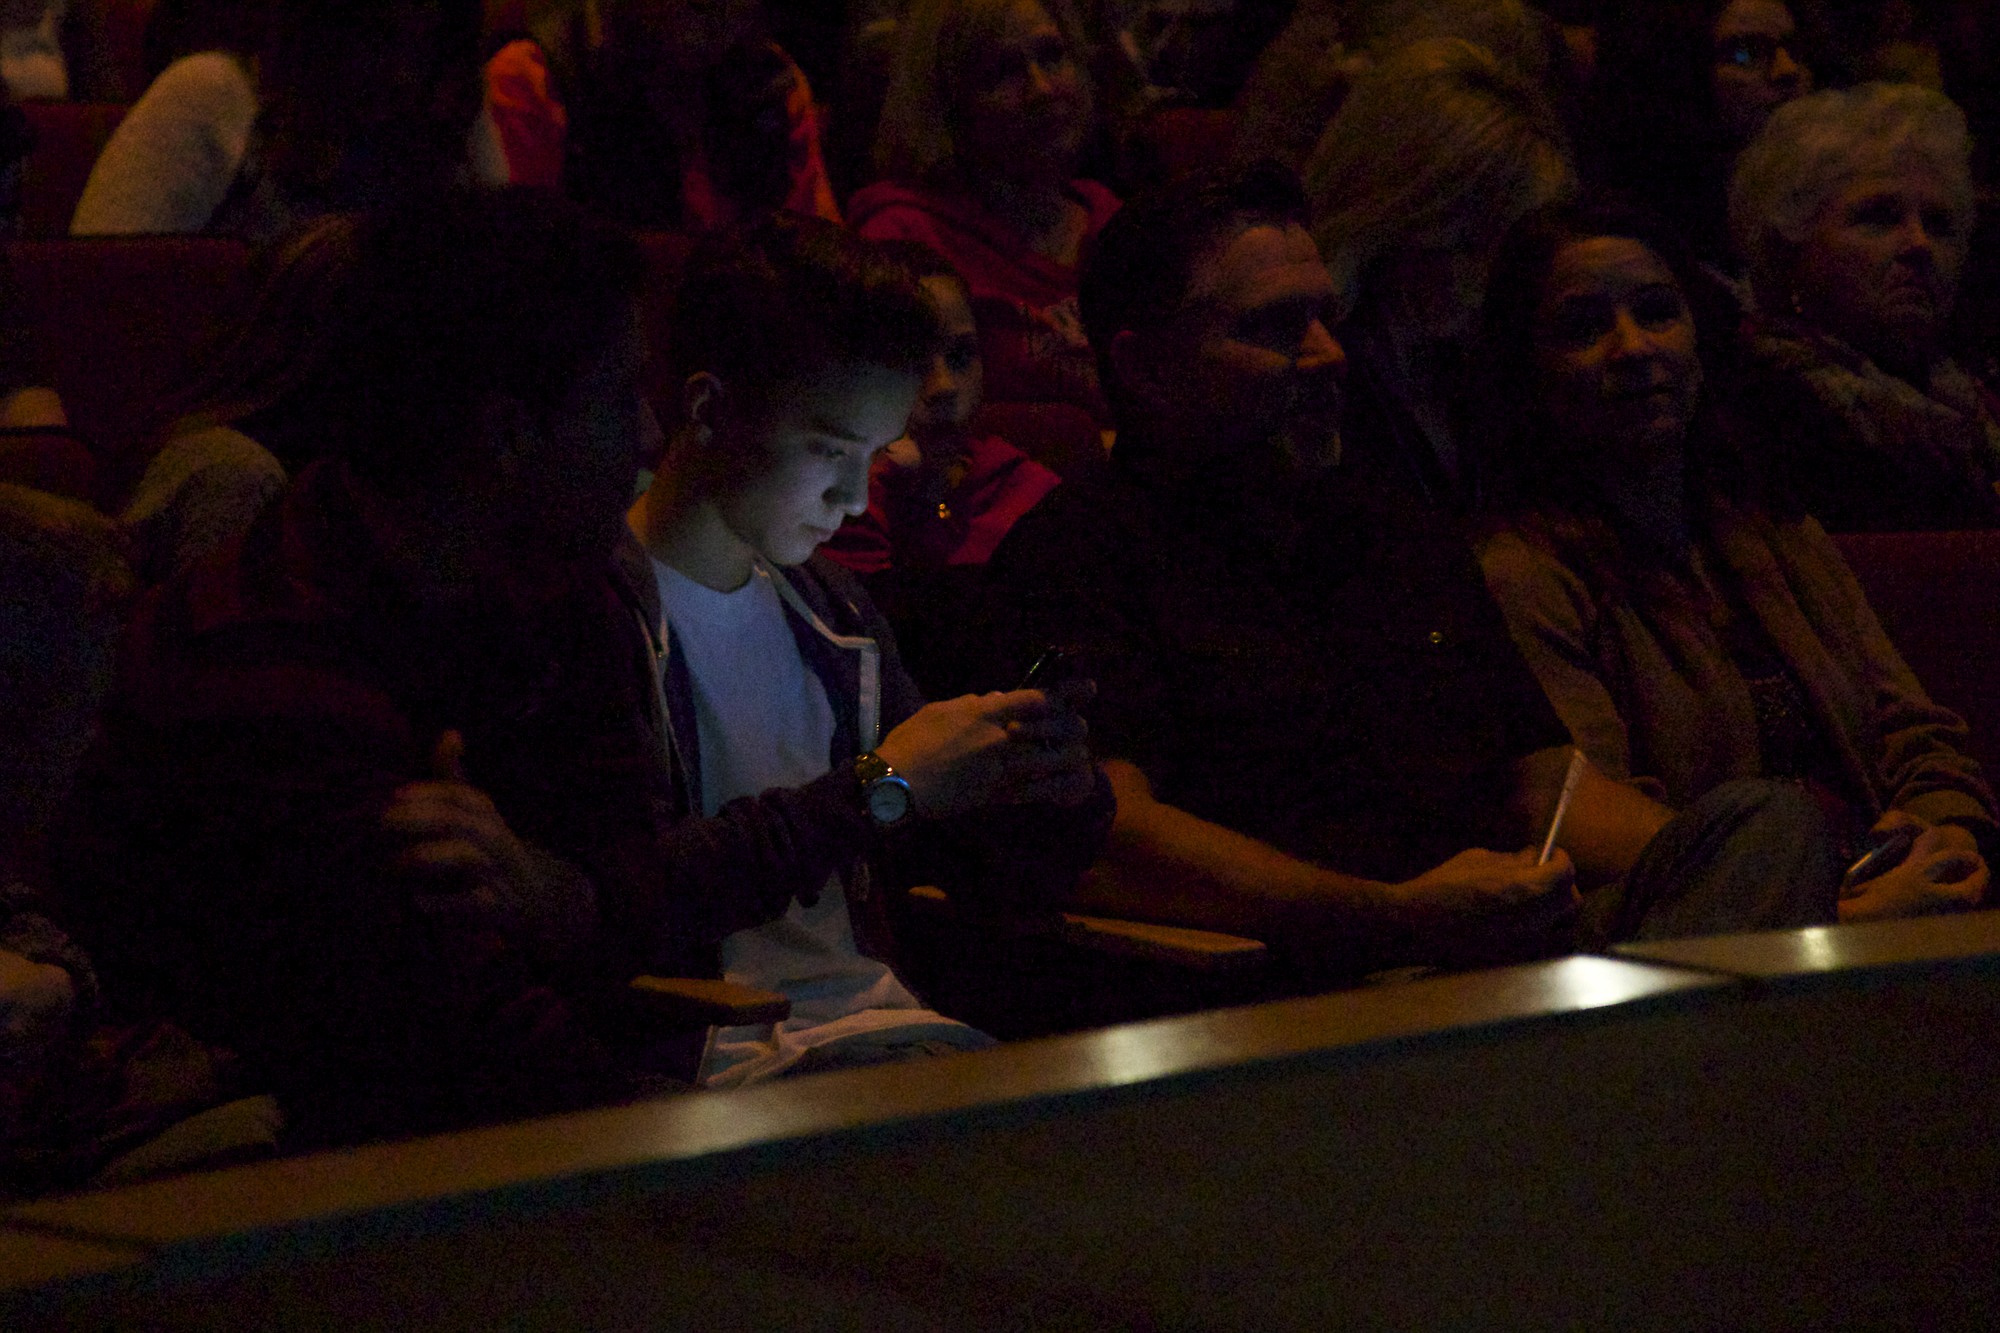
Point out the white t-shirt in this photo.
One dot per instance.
(764, 722)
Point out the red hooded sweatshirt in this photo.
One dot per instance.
(1030, 333)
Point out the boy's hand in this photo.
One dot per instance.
(995, 749)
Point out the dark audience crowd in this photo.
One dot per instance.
(1236, 466)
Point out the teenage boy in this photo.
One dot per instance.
(1312, 715)
(785, 703)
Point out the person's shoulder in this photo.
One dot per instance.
(522, 58)
(211, 78)
(519, 72)
(1515, 554)
(197, 445)
(888, 208)
(1524, 574)
(799, 96)
(1085, 529)
(1099, 200)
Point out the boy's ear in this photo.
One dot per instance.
(704, 401)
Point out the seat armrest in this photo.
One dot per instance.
(1176, 946)
(691, 1002)
(1195, 950)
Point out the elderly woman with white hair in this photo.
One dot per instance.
(1439, 150)
(1854, 211)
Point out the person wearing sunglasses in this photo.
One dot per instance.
(1682, 86)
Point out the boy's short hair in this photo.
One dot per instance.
(478, 295)
(765, 305)
(923, 262)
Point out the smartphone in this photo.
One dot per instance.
(1052, 668)
(1883, 855)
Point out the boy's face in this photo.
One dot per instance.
(805, 457)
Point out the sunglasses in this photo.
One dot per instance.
(1756, 53)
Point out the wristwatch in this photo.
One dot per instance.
(885, 795)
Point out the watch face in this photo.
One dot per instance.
(888, 800)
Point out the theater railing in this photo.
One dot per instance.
(1790, 1130)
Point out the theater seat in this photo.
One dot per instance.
(120, 323)
(1066, 971)
(55, 461)
(1938, 594)
(1060, 436)
(68, 138)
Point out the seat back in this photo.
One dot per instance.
(120, 323)
(1938, 595)
(68, 138)
(55, 461)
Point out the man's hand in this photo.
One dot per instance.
(1478, 884)
(1943, 872)
(35, 1002)
(995, 749)
(480, 873)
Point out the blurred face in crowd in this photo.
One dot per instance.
(580, 472)
(800, 463)
(1881, 264)
(1615, 352)
(953, 385)
(1757, 65)
(681, 34)
(1026, 104)
(1249, 362)
(376, 118)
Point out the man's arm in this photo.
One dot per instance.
(1608, 825)
(1164, 864)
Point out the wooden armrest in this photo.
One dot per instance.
(690, 1002)
(1196, 950)
(1178, 946)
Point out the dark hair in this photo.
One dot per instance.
(469, 297)
(341, 124)
(1526, 479)
(1139, 271)
(924, 262)
(762, 305)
